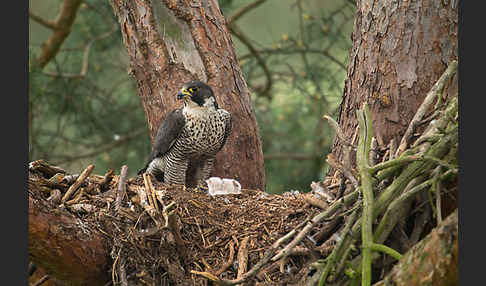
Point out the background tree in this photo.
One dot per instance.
(399, 51)
(82, 107)
(77, 120)
(170, 45)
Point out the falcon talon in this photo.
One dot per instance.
(193, 134)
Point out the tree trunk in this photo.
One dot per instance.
(400, 49)
(172, 42)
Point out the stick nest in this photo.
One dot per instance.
(201, 233)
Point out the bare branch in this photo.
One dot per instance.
(46, 23)
(122, 188)
(103, 148)
(63, 24)
(242, 11)
(41, 281)
(296, 51)
(242, 37)
(291, 156)
(84, 67)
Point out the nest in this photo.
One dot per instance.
(177, 233)
(170, 235)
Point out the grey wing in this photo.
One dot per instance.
(227, 127)
(167, 133)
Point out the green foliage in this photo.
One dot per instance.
(99, 119)
(307, 64)
(95, 119)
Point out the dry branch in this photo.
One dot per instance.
(61, 28)
(432, 261)
(74, 187)
(122, 188)
(231, 256)
(242, 257)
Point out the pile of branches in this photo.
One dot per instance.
(351, 228)
(158, 234)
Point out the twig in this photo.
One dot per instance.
(69, 179)
(392, 148)
(151, 192)
(242, 11)
(403, 160)
(107, 179)
(313, 201)
(242, 37)
(387, 250)
(339, 133)
(440, 162)
(331, 259)
(242, 257)
(200, 231)
(435, 129)
(143, 202)
(229, 262)
(393, 213)
(77, 199)
(419, 224)
(299, 250)
(123, 273)
(343, 258)
(254, 270)
(334, 207)
(389, 220)
(324, 53)
(62, 28)
(78, 183)
(46, 23)
(174, 228)
(362, 157)
(436, 188)
(84, 208)
(122, 188)
(373, 152)
(55, 196)
(424, 107)
(327, 230)
(84, 66)
(113, 267)
(107, 147)
(331, 160)
(43, 167)
(41, 281)
(291, 156)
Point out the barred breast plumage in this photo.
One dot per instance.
(195, 133)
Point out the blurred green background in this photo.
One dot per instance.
(98, 118)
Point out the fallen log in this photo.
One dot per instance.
(66, 247)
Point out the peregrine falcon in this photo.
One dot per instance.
(189, 136)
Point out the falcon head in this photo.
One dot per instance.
(197, 93)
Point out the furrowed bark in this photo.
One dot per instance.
(400, 49)
(70, 252)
